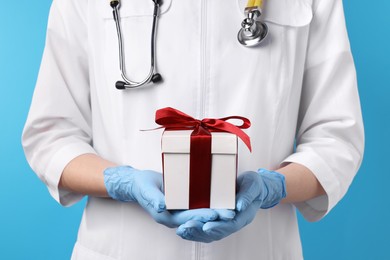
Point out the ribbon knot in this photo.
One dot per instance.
(171, 119)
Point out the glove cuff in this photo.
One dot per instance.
(116, 179)
(275, 182)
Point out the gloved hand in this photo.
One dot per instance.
(263, 189)
(126, 184)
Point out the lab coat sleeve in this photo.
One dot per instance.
(330, 136)
(58, 127)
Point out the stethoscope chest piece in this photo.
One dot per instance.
(253, 31)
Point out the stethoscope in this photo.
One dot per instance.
(252, 33)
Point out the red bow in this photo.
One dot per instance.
(172, 118)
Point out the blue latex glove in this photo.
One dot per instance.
(127, 184)
(263, 189)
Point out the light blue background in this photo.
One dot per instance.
(33, 226)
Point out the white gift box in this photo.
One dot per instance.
(176, 168)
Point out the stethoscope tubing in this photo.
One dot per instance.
(252, 33)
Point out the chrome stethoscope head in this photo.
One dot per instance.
(253, 31)
(152, 76)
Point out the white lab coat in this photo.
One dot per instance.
(300, 83)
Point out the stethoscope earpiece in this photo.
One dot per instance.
(120, 85)
(157, 78)
(114, 3)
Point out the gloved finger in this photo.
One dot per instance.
(225, 214)
(164, 218)
(151, 196)
(248, 190)
(192, 230)
(221, 229)
(158, 180)
(201, 215)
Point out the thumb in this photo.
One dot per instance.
(152, 196)
(249, 188)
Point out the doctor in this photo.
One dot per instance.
(298, 86)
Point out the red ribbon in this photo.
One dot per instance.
(200, 147)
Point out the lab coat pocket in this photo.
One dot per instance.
(279, 60)
(136, 18)
(288, 22)
(273, 71)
